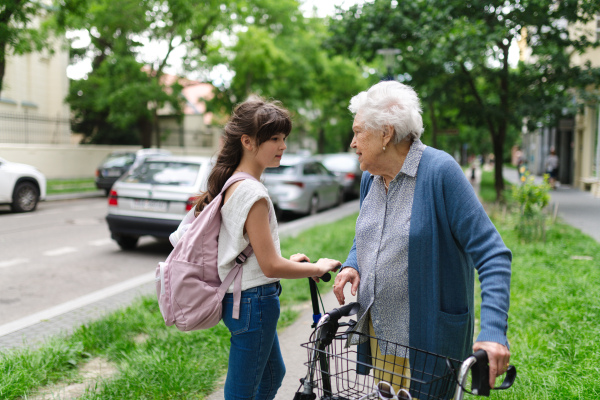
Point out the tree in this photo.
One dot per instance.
(286, 61)
(120, 32)
(461, 48)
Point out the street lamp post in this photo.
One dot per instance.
(390, 59)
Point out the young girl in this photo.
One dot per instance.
(254, 140)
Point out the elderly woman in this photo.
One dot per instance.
(420, 234)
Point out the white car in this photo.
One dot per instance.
(153, 197)
(21, 185)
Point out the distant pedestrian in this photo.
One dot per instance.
(552, 168)
(254, 139)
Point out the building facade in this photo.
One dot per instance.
(576, 140)
(32, 106)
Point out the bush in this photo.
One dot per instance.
(532, 198)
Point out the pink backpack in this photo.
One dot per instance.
(187, 284)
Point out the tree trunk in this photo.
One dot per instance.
(498, 142)
(2, 65)
(321, 140)
(433, 124)
(145, 127)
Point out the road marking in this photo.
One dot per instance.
(76, 303)
(60, 251)
(13, 262)
(101, 242)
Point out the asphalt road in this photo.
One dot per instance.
(63, 251)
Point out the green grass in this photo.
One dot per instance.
(60, 186)
(165, 364)
(554, 315)
(553, 328)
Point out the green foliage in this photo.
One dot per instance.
(531, 198)
(455, 54)
(287, 62)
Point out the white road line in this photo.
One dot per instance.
(76, 303)
(101, 242)
(60, 251)
(13, 262)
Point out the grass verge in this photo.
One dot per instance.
(156, 362)
(60, 186)
(553, 328)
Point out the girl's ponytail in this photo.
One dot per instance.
(256, 118)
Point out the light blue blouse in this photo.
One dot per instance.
(382, 233)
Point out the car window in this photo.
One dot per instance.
(281, 170)
(165, 173)
(321, 170)
(118, 160)
(311, 169)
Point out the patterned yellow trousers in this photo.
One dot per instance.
(397, 369)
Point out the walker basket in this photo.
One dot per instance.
(338, 373)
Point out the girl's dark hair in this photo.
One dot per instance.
(257, 118)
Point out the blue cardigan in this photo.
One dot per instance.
(450, 236)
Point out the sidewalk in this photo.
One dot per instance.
(577, 208)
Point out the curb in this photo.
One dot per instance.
(74, 196)
(64, 317)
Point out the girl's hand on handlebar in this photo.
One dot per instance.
(348, 274)
(299, 257)
(325, 265)
(498, 356)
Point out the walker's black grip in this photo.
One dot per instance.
(326, 277)
(344, 311)
(480, 374)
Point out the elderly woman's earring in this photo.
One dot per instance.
(383, 148)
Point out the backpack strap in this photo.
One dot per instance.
(235, 276)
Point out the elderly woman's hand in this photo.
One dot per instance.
(347, 274)
(498, 358)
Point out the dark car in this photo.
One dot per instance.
(347, 169)
(117, 163)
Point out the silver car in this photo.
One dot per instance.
(347, 169)
(302, 185)
(153, 198)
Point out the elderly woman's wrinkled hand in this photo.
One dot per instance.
(498, 358)
(346, 275)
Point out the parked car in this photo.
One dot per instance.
(117, 163)
(302, 185)
(22, 186)
(153, 197)
(347, 169)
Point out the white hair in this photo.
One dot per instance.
(390, 103)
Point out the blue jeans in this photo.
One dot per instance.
(256, 367)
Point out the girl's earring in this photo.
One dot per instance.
(383, 148)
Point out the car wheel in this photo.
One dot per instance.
(278, 212)
(25, 197)
(127, 242)
(314, 205)
(340, 198)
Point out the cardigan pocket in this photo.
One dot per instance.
(452, 334)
